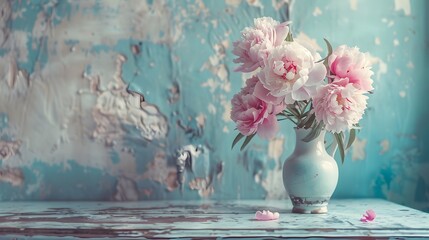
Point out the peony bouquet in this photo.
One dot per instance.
(292, 82)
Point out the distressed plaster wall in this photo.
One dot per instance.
(69, 129)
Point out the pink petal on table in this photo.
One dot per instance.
(266, 215)
(369, 216)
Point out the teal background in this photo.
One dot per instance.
(69, 130)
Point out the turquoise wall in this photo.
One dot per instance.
(69, 129)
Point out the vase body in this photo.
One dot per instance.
(310, 174)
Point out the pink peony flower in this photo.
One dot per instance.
(266, 215)
(253, 115)
(290, 72)
(257, 41)
(349, 65)
(369, 216)
(339, 107)
(264, 94)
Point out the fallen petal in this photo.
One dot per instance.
(276, 215)
(266, 215)
(369, 216)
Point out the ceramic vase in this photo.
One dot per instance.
(310, 174)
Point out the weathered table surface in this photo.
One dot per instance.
(205, 219)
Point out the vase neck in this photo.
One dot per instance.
(318, 142)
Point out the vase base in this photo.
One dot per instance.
(310, 210)
(313, 205)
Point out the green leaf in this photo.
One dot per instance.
(325, 59)
(237, 139)
(289, 37)
(246, 141)
(340, 143)
(328, 44)
(282, 119)
(306, 105)
(300, 105)
(314, 133)
(329, 51)
(306, 120)
(292, 120)
(288, 116)
(352, 137)
(304, 110)
(310, 121)
(305, 114)
(293, 110)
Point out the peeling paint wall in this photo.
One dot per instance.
(72, 126)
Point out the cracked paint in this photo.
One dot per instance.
(403, 5)
(358, 149)
(216, 65)
(194, 219)
(126, 190)
(382, 66)
(377, 41)
(271, 183)
(385, 146)
(174, 93)
(275, 147)
(6, 8)
(116, 106)
(317, 12)
(354, 4)
(160, 172)
(14, 176)
(8, 149)
(233, 3)
(17, 81)
(203, 186)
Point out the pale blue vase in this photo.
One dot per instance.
(310, 174)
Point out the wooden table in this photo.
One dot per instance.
(204, 219)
